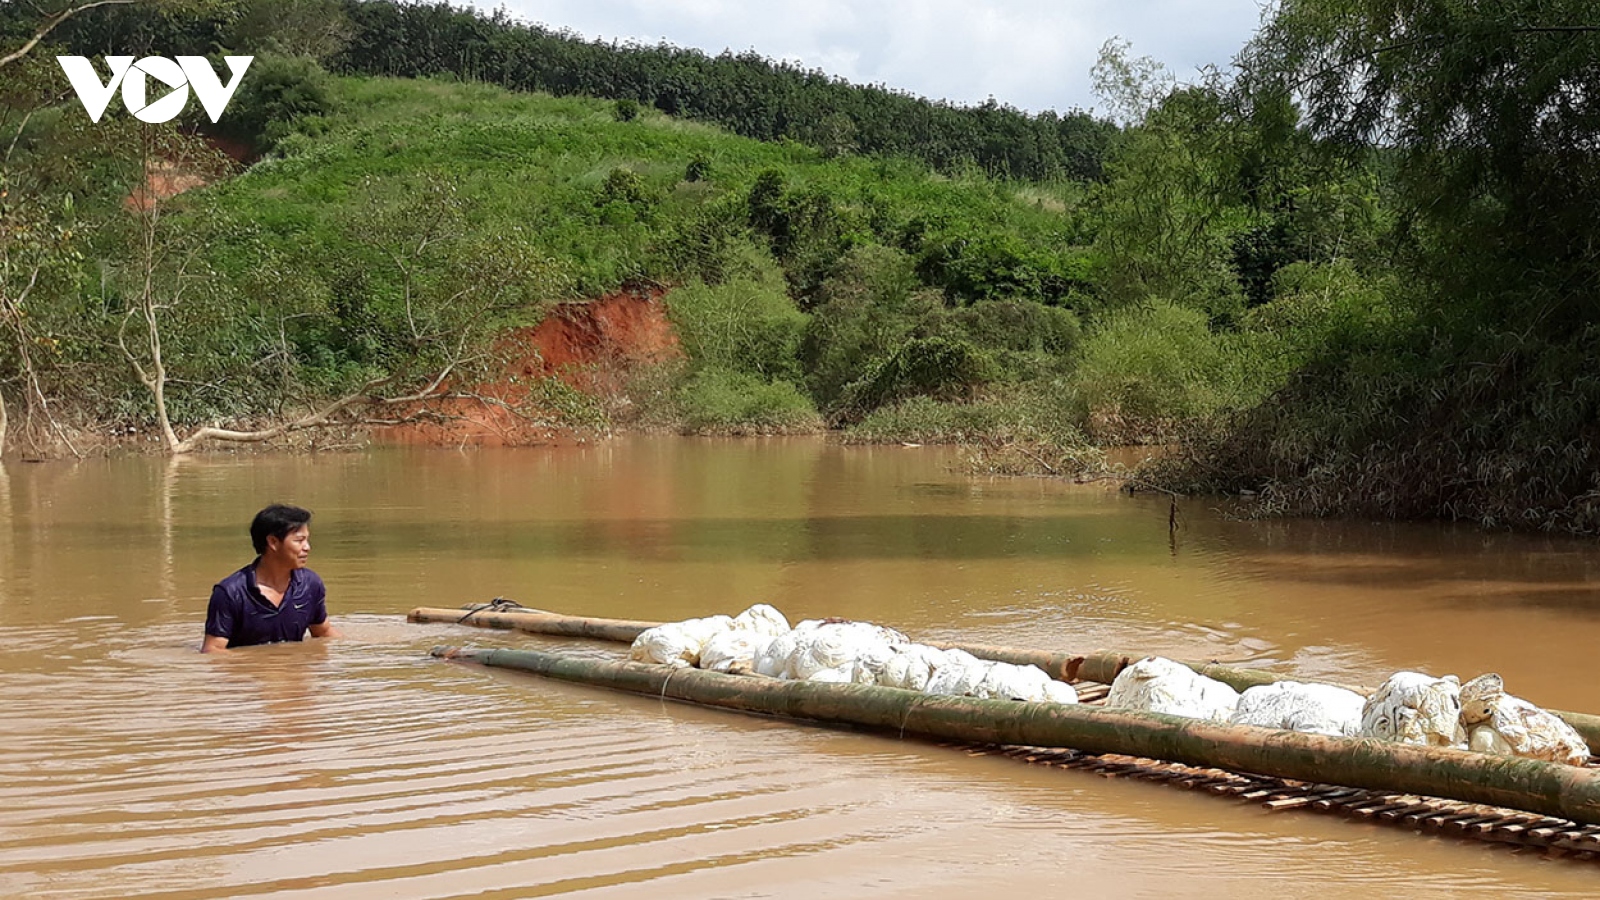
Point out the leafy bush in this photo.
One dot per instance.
(924, 420)
(1018, 325)
(1020, 433)
(746, 325)
(719, 401)
(623, 185)
(973, 265)
(1153, 368)
(870, 306)
(280, 95)
(938, 367)
(698, 169)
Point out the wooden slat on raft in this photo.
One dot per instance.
(1466, 821)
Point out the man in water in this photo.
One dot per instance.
(275, 598)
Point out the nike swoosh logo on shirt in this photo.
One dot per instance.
(299, 606)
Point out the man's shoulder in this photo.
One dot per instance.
(236, 583)
(313, 581)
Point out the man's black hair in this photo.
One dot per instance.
(276, 521)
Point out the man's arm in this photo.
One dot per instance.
(320, 627)
(219, 622)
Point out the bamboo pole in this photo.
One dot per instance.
(1099, 665)
(1568, 792)
(535, 622)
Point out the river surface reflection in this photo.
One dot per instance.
(134, 767)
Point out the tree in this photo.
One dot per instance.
(427, 317)
(48, 17)
(1164, 206)
(1490, 112)
(33, 244)
(40, 231)
(1132, 87)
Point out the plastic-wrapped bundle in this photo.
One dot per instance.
(761, 619)
(871, 662)
(911, 667)
(837, 645)
(1497, 722)
(1005, 681)
(677, 644)
(733, 649)
(1294, 706)
(1414, 708)
(835, 675)
(1157, 684)
(1060, 692)
(749, 633)
(958, 675)
(773, 659)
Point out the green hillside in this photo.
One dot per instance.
(1355, 274)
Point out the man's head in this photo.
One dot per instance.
(282, 530)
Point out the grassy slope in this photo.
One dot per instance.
(535, 169)
(538, 162)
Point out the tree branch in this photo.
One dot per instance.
(50, 25)
(314, 419)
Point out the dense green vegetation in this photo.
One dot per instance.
(1356, 276)
(744, 93)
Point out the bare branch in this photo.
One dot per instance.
(50, 25)
(315, 419)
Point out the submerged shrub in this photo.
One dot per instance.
(924, 420)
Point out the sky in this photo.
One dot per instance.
(1030, 54)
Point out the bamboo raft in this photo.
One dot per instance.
(1497, 799)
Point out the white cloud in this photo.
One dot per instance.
(1033, 54)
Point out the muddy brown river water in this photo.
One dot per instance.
(132, 766)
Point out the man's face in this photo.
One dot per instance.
(293, 549)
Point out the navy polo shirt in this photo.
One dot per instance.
(240, 613)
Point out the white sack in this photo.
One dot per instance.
(833, 645)
(1156, 684)
(1005, 681)
(1060, 692)
(734, 649)
(677, 644)
(1296, 706)
(958, 678)
(773, 659)
(1498, 722)
(1413, 708)
(911, 667)
(762, 619)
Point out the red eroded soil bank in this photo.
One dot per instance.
(592, 346)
